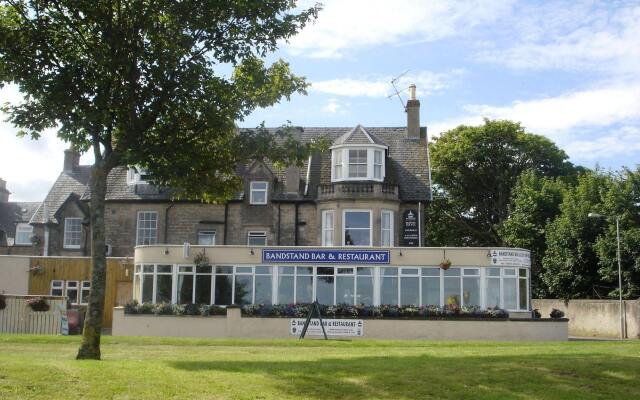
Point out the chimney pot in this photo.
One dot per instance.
(4, 193)
(413, 114)
(71, 160)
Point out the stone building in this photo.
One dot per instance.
(15, 231)
(370, 185)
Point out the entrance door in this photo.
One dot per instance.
(124, 292)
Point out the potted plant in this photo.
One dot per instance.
(38, 304)
(556, 314)
(445, 264)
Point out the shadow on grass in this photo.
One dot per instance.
(395, 377)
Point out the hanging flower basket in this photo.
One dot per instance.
(38, 304)
(201, 259)
(36, 269)
(445, 264)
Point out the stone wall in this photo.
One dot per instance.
(234, 326)
(595, 318)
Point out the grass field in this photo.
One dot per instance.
(39, 367)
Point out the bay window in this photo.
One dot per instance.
(377, 164)
(358, 163)
(337, 164)
(356, 227)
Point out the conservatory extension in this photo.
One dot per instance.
(238, 275)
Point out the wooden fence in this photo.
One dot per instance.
(79, 269)
(17, 316)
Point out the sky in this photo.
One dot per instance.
(566, 70)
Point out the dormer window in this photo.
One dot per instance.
(136, 175)
(358, 163)
(258, 193)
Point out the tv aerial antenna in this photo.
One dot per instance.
(394, 83)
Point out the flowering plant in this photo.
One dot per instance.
(38, 304)
(445, 264)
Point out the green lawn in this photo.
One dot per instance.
(39, 367)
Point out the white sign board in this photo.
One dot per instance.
(333, 327)
(510, 258)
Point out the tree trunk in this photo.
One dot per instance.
(90, 348)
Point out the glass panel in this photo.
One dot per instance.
(285, 289)
(344, 289)
(388, 290)
(409, 291)
(84, 296)
(452, 272)
(203, 289)
(203, 269)
(410, 271)
(471, 272)
(430, 271)
(510, 297)
(185, 269)
(357, 237)
(263, 289)
(365, 271)
(345, 271)
(509, 272)
(138, 268)
(263, 270)
(431, 291)
(185, 289)
(304, 289)
(451, 290)
(257, 240)
(304, 270)
(224, 270)
(258, 197)
(471, 291)
(493, 271)
(147, 268)
(244, 288)
(72, 294)
(523, 293)
(323, 270)
(244, 270)
(259, 185)
(356, 219)
(364, 289)
(390, 271)
(493, 292)
(163, 269)
(523, 273)
(286, 270)
(207, 238)
(147, 288)
(223, 290)
(324, 289)
(163, 292)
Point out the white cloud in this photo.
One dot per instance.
(331, 107)
(568, 117)
(347, 25)
(29, 166)
(573, 36)
(427, 82)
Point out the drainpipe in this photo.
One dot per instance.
(279, 219)
(295, 232)
(45, 250)
(226, 216)
(306, 185)
(420, 224)
(166, 221)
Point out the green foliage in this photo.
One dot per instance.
(535, 202)
(475, 169)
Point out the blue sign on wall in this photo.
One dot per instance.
(326, 256)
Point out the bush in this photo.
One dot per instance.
(3, 302)
(555, 313)
(38, 304)
(134, 307)
(363, 311)
(536, 313)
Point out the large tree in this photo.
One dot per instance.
(159, 84)
(475, 169)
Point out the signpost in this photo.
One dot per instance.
(315, 309)
(410, 237)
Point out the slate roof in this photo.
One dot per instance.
(406, 166)
(11, 213)
(68, 184)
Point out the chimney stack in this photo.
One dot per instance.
(413, 114)
(292, 177)
(4, 193)
(71, 160)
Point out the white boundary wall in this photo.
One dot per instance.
(14, 275)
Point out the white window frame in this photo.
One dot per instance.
(67, 233)
(135, 174)
(56, 284)
(366, 163)
(139, 229)
(383, 229)
(344, 224)
(257, 234)
(252, 190)
(25, 228)
(326, 230)
(84, 286)
(375, 164)
(341, 153)
(76, 288)
(209, 232)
